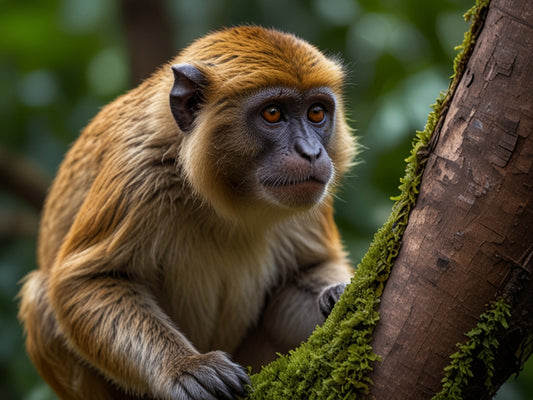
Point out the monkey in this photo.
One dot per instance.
(189, 231)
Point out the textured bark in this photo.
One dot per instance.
(470, 235)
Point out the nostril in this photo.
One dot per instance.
(309, 151)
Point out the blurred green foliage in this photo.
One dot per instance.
(61, 60)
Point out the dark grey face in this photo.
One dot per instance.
(294, 128)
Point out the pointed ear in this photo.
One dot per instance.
(186, 95)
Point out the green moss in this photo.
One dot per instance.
(476, 15)
(336, 360)
(481, 347)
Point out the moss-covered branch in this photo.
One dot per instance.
(338, 360)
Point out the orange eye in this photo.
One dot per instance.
(316, 114)
(271, 114)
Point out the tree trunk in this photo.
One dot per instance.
(148, 36)
(470, 236)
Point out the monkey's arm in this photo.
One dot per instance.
(306, 298)
(100, 292)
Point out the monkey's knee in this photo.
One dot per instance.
(45, 343)
(43, 339)
(37, 318)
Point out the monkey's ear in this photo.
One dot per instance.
(186, 94)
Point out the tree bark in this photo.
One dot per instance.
(470, 236)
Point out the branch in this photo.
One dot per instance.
(148, 35)
(474, 210)
(22, 178)
(17, 223)
(465, 244)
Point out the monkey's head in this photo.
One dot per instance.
(262, 119)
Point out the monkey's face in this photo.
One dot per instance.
(262, 122)
(291, 130)
(277, 148)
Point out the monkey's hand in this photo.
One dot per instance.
(329, 297)
(209, 376)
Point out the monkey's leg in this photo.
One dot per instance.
(118, 328)
(293, 312)
(63, 370)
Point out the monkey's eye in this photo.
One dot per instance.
(316, 114)
(271, 114)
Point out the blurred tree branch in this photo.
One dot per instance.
(148, 36)
(23, 178)
(149, 40)
(17, 224)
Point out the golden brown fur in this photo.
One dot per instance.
(150, 261)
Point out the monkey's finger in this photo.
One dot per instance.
(237, 380)
(329, 297)
(210, 380)
(188, 388)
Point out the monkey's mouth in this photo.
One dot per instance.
(295, 191)
(283, 181)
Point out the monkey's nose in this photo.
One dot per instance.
(309, 150)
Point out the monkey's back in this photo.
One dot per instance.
(64, 199)
(119, 127)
